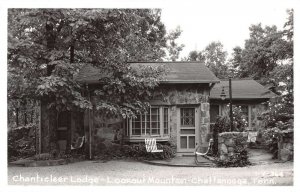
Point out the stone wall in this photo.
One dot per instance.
(286, 146)
(227, 143)
(173, 125)
(204, 125)
(180, 94)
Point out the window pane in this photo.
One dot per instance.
(183, 142)
(154, 117)
(187, 116)
(166, 121)
(154, 111)
(136, 125)
(245, 110)
(154, 125)
(155, 131)
(136, 131)
(191, 142)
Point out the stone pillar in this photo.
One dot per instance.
(204, 124)
(173, 125)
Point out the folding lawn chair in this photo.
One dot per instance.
(151, 147)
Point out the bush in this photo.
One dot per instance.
(278, 118)
(137, 152)
(21, 142)
(239, 159)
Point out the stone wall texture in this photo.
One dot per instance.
(180, 95)
(204, 124)
(286, 146)
(227, 143)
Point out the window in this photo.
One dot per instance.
(187, 117)
(154, 122)
(245, 112)
(214, 113)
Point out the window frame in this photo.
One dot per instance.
(181, 117)
(143, 134)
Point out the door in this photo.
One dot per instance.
(187, 132)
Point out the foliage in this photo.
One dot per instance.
(137, 152)
(240, 157)
(239, 121)
(196, 56)
(277, 119)
(21, 142)
(266, 48)
(173, 47)
(214, 58)
(47, 47)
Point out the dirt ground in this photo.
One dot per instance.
(137, 173)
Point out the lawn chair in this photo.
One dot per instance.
(203, 154)
(78, 144)
(151, 147)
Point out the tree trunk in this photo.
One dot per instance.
(17, 117)
(69, 131)
(31, 115)
(48, 116)
(25, 113)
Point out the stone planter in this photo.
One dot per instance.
(227, 143)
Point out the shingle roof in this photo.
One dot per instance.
(89, 74)
(241, 89)
(183, 72)
(177, 72)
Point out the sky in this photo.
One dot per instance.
(227, 21)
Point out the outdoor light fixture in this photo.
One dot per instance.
(223, 95)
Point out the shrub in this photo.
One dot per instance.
(278, 118)
(21, 142)
(136, 151)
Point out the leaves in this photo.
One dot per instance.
(41, 64)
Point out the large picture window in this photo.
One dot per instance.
(155, 122)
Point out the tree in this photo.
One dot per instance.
(264, 50)
(235, 61)
(215, 59)
(47, 47)
(196, 56)
(173, 49)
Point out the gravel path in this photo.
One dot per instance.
(137, 173)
